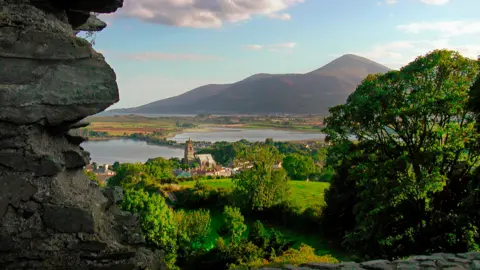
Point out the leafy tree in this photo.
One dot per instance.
(415, 153)
(299, 167)
(193, 229)
(156, 219)
(130, 175)
(115, 166)
(258, 235)
(234, 223)
(262, 186)
(159, 168)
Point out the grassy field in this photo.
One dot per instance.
(303, 194)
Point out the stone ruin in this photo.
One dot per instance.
(51, 215)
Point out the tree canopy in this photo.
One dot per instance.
(415, 149)
(261, 186)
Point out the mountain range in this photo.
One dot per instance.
(313, 92)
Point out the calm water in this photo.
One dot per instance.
(253, 135)
(127, 151)
(124, 150)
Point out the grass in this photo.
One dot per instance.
(303, 194)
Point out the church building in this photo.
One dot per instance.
(205, 161)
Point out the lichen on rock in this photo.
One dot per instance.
(51, 215)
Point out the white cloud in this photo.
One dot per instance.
(399, 53)
(435, 2)
(271, 47)
(391, 2)
(202, 13)
(280, 16)
(254, 47)
(445, 28)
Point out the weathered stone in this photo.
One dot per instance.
(13, 190)
(92, 24)
(100, 6)
(113, 194)
(68, 219)
(48, 167)
(111, 256)
(19, 161)
(377, 265)
(123, 266)
(350, 265)
(444, 255)
(76, 159)
(476, 264)
(445, 264)
(470, 255)
(76, 140)
(458, 260)
(294, 267)
(422, 258)
(93, 246)
(6, 243)
(321, 266)
(428, 264)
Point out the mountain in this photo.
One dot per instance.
(312, 92)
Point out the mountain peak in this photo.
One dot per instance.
(351, 62)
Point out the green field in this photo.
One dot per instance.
(303, 194)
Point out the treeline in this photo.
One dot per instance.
(301, 162)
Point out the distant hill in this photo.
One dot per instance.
(313, 92)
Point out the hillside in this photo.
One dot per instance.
(313, 92)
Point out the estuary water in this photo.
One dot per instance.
(125, 150)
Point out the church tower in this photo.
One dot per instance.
(189, 154)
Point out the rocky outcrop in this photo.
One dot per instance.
(51, 215)
(462, 261)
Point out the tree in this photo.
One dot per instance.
(234, 223)
(159, 168)
(193, 229)
(115, 166)
(299, 167)
(415, 152)
(261, 186)
(130, 175)
(156, 219)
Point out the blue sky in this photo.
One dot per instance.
(162, 48)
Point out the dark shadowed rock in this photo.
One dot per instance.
(93, 246)
(76, 159)
(13, 190)
(68, 219)
(93, 24)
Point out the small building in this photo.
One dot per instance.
(206, 161)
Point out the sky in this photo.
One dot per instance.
(163, 48)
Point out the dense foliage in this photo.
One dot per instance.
(261, 186)
(404, 187)
(157, 221)
(299, 167)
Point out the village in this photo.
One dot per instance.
(206, 166)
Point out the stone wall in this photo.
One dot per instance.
(462, 261)
(51, 215)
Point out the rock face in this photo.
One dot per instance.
(463, 261)
(51, 215)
